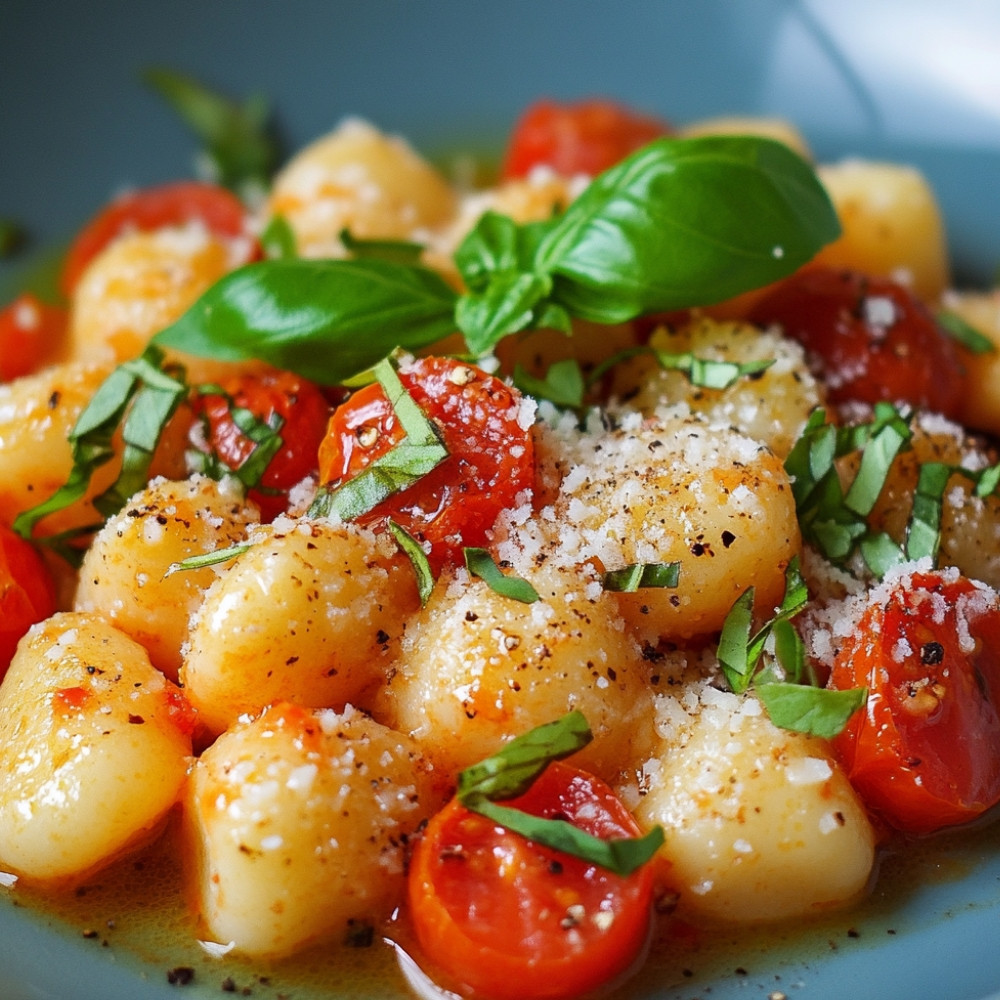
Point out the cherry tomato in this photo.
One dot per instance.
(514, 920)
(490, 453)
(27, 592)
(870, 339)
(303, 412)
(583, 138)
(29, 328)
(154, 208)
(925, 752)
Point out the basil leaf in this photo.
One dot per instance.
(241, 148)
(512, 770)
(394, 251)
(622, 855)
(324, 319)
(563, 384)
(812, 710)
(480, 563)
(631, 578)
(508, 304)
(410, 547)
(876, 460)
(278, 239)
(964, 333)
(662, 229)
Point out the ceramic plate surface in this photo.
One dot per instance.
(912, 80)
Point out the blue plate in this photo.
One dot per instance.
(911, 80)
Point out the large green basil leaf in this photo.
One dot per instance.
(686, 222)
(325, 319)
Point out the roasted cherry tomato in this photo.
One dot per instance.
(869, 339)
(583, 138)
(490, 453)
(925, 752)
(29, 328)
(273, 398)
(27, 592)
(154, 208)
(514, 920)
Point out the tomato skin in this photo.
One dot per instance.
(152, 208)
(27, 592)
(304, 411)
(925, 751)
(870, 338)
(587, 137)
(493, 910)
(29, 329)
(490, 454)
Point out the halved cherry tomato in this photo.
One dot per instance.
(583, 138)
(513, 920)
(29, 329)
(490, 453)
(27, 592)
(870, 339)
(925, 752)
(154, 208)
(303, 412)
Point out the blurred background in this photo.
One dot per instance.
(917, 80)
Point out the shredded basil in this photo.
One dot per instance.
(214, 558)
(411, 548)
(964, 333)
(631, 578)
(513, 770)
(409, 460)
(785, 683)
(480, 563)
(144, 394)
(813, 710)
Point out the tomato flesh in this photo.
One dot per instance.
(153, 208)
(509, 918)
(870, 339)
(925, 751)
(490, 453)
(27, 592)
(29, 328)
(583, 138)
(303, 410)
